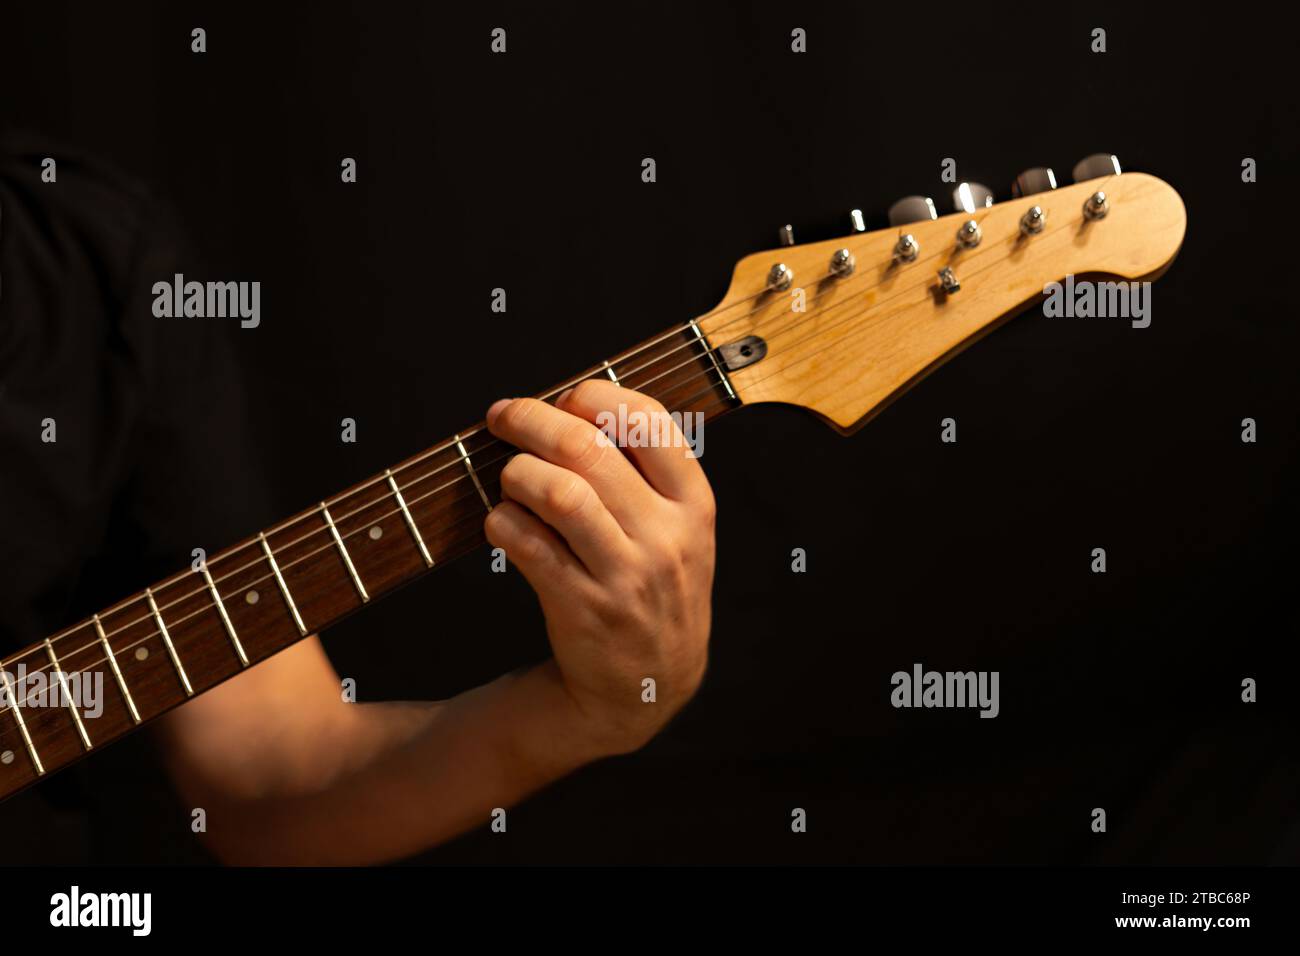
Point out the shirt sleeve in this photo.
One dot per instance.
(195, 479)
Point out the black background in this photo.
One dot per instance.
(523, 171)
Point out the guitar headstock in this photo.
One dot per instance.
(861, 336)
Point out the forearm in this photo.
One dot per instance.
(618, 545)
(390, 780)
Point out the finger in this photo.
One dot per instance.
(564, 500)
(577, 446)
(538, 552)
(663, 457)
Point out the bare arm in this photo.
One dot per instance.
(618, 545)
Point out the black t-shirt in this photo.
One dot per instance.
(151, 459)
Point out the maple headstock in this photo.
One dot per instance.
(865, 336)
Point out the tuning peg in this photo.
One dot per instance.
(968, 197)
(856, 222)
(786, 235)
(779, 277)
(1039, 179)
(1098, 164)
(912, 209)
(1094, 167)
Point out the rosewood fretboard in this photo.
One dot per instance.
(188, 633)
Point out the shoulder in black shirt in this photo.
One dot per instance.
(152, 457)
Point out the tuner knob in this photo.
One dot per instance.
(968, 197)
(786, 235)
(912, 209)
(1098, 164)
(842, 263)
(906, 249)
(1032, 222)
(779, 277)
(1037, 180)
(1096, 206)
(856, 222)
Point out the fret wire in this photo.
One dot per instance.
(117, 672)
(284, 588)
(221, 610)
(410, 521)
(712, 358)
(685, 330)
(67, 697)
(347, 558)
(167, 640)
(680, 365)
(473, 475)
(610, 370)
(16, 707)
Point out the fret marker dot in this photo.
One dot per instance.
(7, 757)
(251, 597)
(376, 533)
(141, 653)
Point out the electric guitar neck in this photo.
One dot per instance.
(840, 328)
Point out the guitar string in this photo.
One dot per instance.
(446, 446)
(839, 285)
(398, 470)
(682, 330)
(235, 550)
(848, 301)
(641, 386)
(289, 565)
(477, 429)
(706, 373)
(707, 357)
(207, 607)
(928, 285)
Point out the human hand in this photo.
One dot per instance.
(618, 543)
